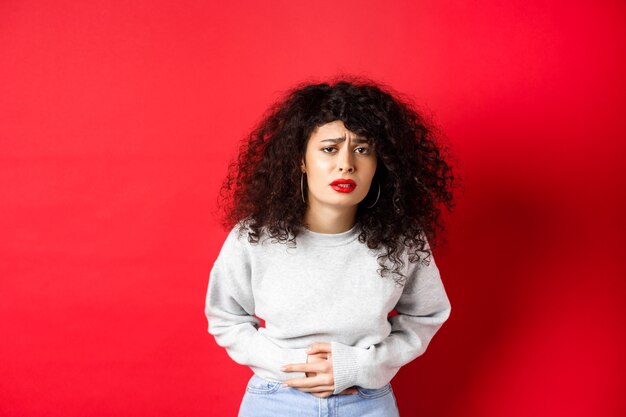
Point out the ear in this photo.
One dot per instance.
(302, 165)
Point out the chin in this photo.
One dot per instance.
(345, 202)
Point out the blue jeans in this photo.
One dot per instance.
(266, 398)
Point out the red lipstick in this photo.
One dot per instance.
(343, 185)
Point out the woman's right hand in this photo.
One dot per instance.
(320, 357)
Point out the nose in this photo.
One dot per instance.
(346, 167)
(345, 162)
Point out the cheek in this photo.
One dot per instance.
(374, 162)
(316, 177)
(371, 169)
(319, 168)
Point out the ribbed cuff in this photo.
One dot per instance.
(345, 366)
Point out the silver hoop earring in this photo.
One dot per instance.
(302, 187)
(376, 197)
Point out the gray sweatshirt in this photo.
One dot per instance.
(326, 288)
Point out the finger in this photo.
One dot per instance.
(318, 389)
(305, 367)
(348, 391)
(323, 355)
(306, 382)
(319, 347)
(322, 394)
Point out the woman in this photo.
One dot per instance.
(331, 205)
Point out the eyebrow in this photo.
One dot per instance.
(337, 140)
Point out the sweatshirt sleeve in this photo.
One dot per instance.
(229, 311)
(422, 309)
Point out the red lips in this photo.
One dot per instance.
(343, 185)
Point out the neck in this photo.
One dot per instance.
(324, 219)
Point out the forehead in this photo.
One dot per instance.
(334, 130)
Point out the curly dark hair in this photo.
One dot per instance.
(262, 188)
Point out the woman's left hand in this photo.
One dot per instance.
(322, 384)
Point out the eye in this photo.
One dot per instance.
(327, 147)
(366, 150)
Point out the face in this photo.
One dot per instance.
(335, 153)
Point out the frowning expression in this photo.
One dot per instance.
(339, 165)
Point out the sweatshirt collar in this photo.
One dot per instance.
(329, 239)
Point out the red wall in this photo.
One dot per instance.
(118, 119)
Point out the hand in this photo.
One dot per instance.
(321, 357)
(319, 379)
(315, 358)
